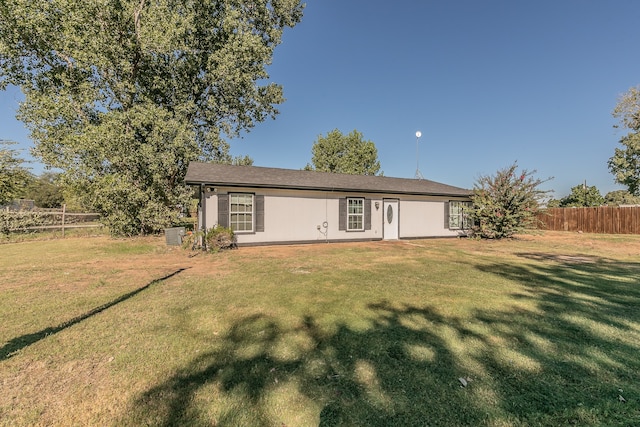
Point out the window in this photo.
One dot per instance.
(355, 214)
(241, 212)
(459, 217)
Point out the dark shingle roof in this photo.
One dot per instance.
(261, 177)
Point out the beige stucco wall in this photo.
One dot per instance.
(211, 211)
(423, 217)
(295, 215)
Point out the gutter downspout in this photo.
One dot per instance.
(203, 216)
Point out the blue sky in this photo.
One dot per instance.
(486, 82)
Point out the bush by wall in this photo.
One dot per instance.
(214, 239)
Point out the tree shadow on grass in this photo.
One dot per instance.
(557, 355)
(356, 377)
(583, 334)
(16, 344)
(599, 289)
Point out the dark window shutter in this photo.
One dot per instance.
(367, 214)
(446, 215)
(223, 210)
(342, 214)
(259, 200)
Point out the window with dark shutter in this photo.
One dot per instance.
(259, 213)
(355, 213)
(223, 210)
(459, 217)
(367, 214)
(241, 213)
(446, 215)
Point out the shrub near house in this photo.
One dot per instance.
(507, 203)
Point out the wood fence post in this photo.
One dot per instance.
(64, 211)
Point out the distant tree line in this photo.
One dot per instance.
(17, 182)
(589, 196)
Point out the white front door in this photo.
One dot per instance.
(390, 219)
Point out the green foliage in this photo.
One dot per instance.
(625, 163)
(349, 154)
(45, 191)
(582, 196)
(218, 238)
(621, 197)
(214, 239)
(242, 161)
(190, 240)
(11, 222)
(507, 203)
(13, 175)
(122, 95)
(74, 201)
(554, 203)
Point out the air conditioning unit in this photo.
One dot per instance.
(174, 235)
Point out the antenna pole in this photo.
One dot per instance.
(418, 174)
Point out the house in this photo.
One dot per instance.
(269, 205)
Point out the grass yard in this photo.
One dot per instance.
(539, 331)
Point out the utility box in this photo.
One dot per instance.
(174, 235)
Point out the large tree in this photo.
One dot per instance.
(45, 191)
(582, 196)
(121, 95)
(625, 163)
(14, 176)
(349, 154)
(506, 203)
(621, 197)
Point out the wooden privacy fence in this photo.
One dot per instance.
(602, 219)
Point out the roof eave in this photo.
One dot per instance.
(329, 189)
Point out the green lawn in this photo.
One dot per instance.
(542, 330)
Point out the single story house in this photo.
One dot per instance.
(268, 205)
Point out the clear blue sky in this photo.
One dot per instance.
(486, 82)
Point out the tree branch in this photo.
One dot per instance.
(136, 18)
